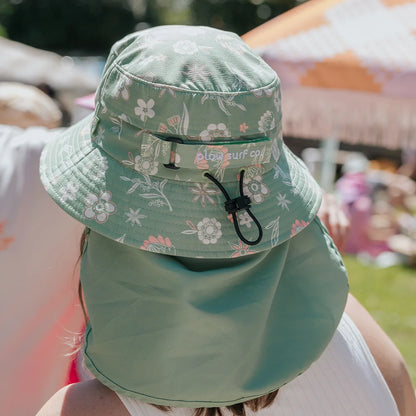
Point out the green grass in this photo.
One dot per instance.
(390, 296)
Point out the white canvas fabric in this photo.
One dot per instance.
(39, 248)
(344, 381)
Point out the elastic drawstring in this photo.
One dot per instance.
(234, 205)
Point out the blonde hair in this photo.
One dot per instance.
(25, 106)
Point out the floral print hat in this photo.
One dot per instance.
(184, 153)
(183, 157)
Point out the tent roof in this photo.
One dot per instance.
(353, 60)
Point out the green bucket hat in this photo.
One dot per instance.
(183, 158)
(184, 153)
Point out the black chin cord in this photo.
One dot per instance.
(232, 206)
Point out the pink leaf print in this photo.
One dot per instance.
(298, 226)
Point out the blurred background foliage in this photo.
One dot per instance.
(90, 27)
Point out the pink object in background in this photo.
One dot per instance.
(355, 195)
(87, 101)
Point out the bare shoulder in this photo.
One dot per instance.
(387, 356)
(88, 398)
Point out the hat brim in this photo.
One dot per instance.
(171, 216)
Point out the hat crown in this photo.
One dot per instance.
(197, 59)
(178, 80)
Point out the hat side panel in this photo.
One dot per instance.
(203, 116)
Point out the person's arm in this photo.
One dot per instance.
(87, 398)
(332, 214)
(387, 356)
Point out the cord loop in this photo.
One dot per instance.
(232, 206)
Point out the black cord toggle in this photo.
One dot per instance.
(236, 204)
(232, 206)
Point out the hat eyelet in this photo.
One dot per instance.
(204, 173)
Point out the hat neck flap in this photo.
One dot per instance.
(209, 332)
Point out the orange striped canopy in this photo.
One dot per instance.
(347, 68)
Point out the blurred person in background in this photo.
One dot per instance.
(355, 196)
(39, 312)
(25, 106)
(380, 206)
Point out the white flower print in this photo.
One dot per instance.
(100, 207)
(282, 201)
(214, 130)
(197, 72)
(146, 165)
(266, 122)
(255, 189)
(69, 191)
(134, 217)
(145, 110)
(245, 219)
(209, 230)
(185, 47)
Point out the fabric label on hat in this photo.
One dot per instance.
(207, 156)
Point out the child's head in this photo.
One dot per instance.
(183, 158)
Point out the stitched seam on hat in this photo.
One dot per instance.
(274, 84)
(103, 87)
(76, 162)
